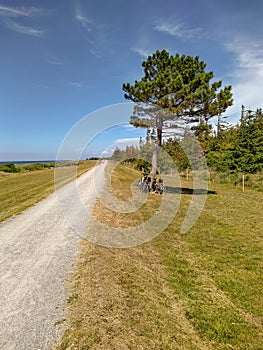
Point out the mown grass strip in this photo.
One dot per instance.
(19, 191)
(217, 270)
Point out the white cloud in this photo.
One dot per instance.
(7, 11)
(141, 52)
(128, 140)
(24, 29)
(247, 77)
(95, 53)
(84, 21)
(55, 61)
(120, 143)
(178, 30)
(75, 84)
(107, 153)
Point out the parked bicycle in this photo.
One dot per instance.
(144, 185)
(159, 187)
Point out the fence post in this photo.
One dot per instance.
(243, 183)
(187, 174)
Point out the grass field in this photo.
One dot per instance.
(19, 191)
(200, 290)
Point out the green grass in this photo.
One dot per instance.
(199, 290)
(19, 191)
(217, 271)
(251, 181)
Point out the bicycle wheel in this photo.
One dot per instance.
(145, 187)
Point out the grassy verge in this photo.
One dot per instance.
(19, 191)
(201, 290)
(217, 270)
(251, 181)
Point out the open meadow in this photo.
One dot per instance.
(199, 290)
(19, 191)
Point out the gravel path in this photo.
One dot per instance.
(37, 250)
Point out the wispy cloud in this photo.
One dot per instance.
(7, 11)
(24, 29)
(83, 20)
(10, 15)
(128, 140)
(41, 86)
(141, 52)
(55, 61)
(249, 53)
(94, 53)
(179, 30)
(75, 84)
(247, 76)
(96, 33)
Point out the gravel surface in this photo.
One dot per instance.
(37, 249)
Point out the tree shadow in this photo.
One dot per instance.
(186, 190)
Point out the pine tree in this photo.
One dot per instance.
(174, 89)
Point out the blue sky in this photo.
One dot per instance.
(61, 61)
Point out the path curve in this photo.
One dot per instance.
(37, 249)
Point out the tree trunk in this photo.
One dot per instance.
(155, 157)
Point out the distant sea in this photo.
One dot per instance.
(28, 161)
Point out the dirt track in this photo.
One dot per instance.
(37, 250)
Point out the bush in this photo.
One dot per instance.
(9, 168)
(38, 166)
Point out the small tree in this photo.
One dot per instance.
(248, 152)
(174, 89)
(117, 154)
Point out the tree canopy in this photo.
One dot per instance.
(178, 85)
(173, 91)
(238, 148)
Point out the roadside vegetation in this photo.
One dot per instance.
(18, 168)
(230, 153)
(31, 183)
(200, 290)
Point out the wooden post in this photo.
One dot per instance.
(243, 183)
(187, 174)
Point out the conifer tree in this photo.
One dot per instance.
(174, 90)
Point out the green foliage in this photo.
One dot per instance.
(248, 152)
(12, 168)
(129, 153)
(117, 154)
(233, 150)
(240, 148)
(143, 166)
(173, 147)
(38, 166)
(140, 157)
(9, 168)
(175, 89)
(179, 85)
